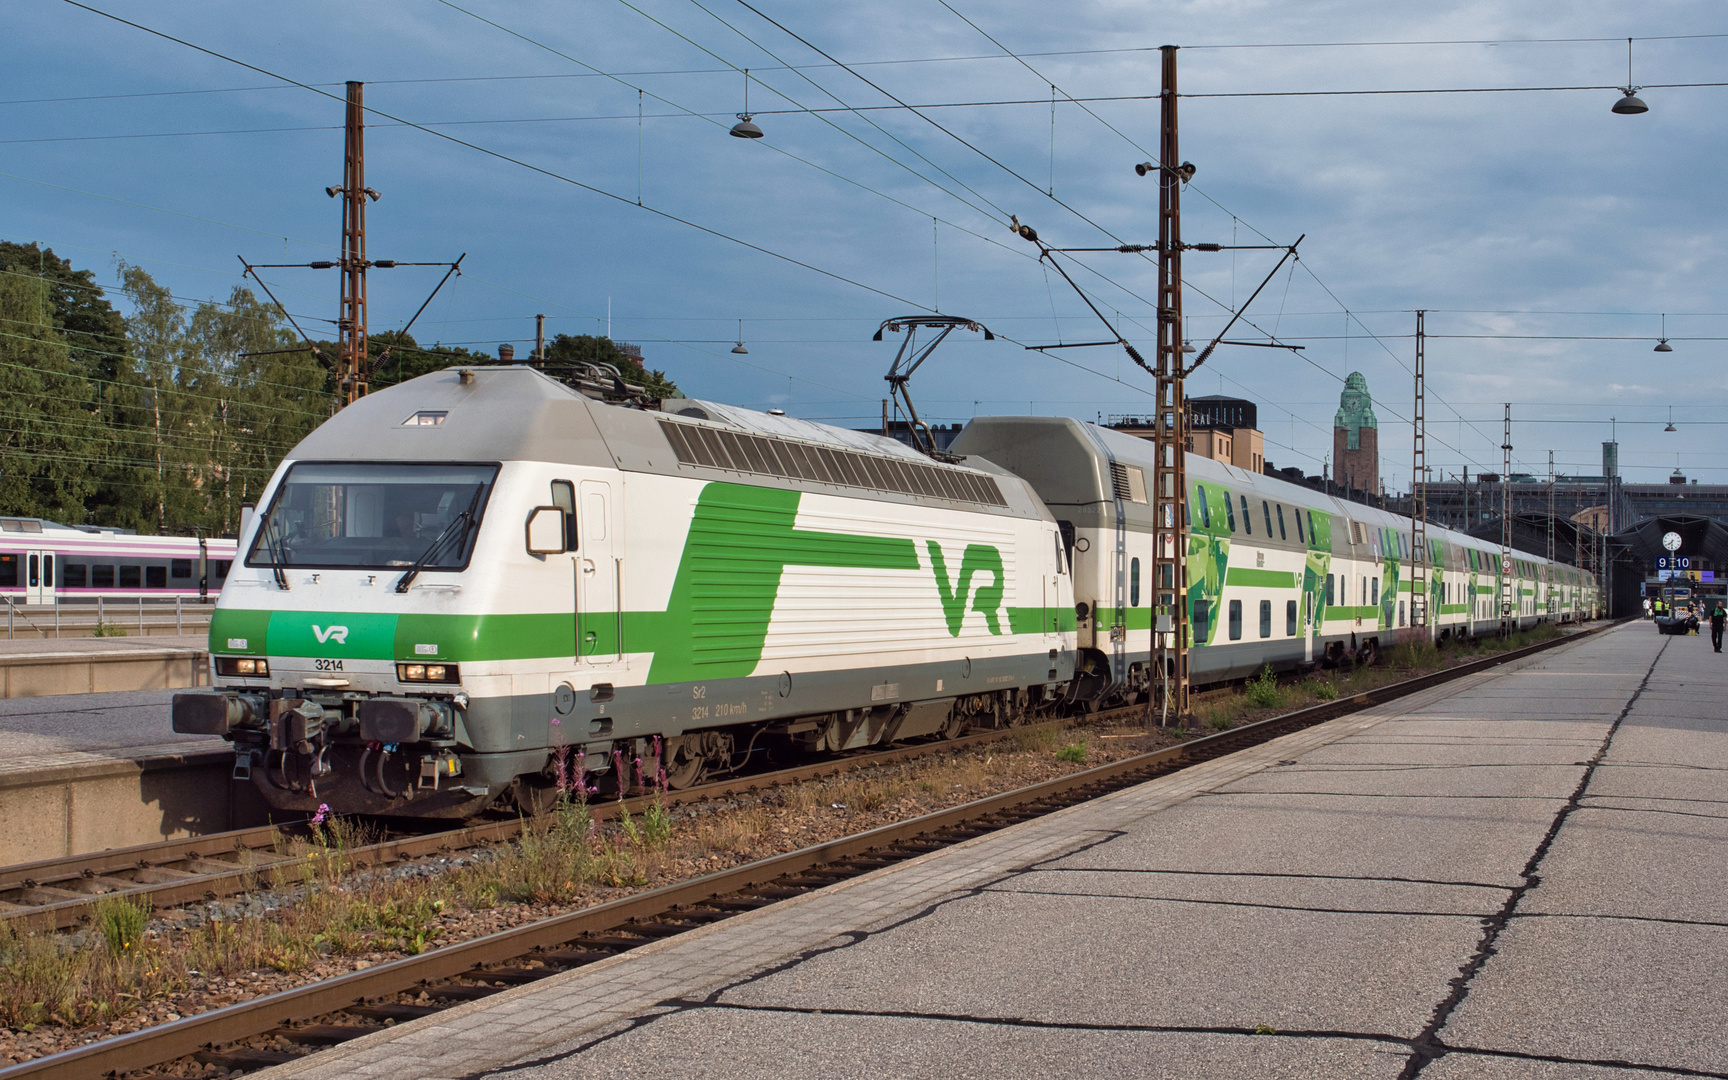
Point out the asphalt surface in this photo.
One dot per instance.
(1520, 879)
(31, 727)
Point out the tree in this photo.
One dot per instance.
(49, 439)
(587, 348)
(407, 360)
(265, 395)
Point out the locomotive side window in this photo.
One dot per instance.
(564, 498)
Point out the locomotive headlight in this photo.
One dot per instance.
(242, 665)
(434, 673)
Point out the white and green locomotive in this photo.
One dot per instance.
(464, 585)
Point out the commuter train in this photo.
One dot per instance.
(42, 562)
(465, 588)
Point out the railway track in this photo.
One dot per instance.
(61, 892)
(293, 1023)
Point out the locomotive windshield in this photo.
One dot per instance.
(374, 516)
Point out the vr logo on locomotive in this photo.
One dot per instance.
(325, 633)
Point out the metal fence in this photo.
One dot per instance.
(107, 618)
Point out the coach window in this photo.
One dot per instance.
(1247, 518)
(1205, 513)
(1400, 613)
(156, 577)
(8, 571)
(180, 568)
(221, 567)
(1235, 620)
(1134, 583)
(1229, 512)
(102, 577)
(1265, 618)
(1290, 618)
(1266, 508)
(73, 575)
(1329, 600)
(131, 577)
(1376, 598)
(1282, 535)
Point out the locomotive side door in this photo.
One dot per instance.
(599, 573)
(39, 577)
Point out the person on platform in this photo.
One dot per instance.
(1718, 620)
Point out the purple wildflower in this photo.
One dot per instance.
(323, 811)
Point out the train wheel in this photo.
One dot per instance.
(956, 726)
(685, 766)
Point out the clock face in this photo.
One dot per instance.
(1671, 541)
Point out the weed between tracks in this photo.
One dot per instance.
(326, 917)
(1263, 695)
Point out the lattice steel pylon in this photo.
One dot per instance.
(1419, 573)
(1170, 436)
(351, 323)
(1549, 603)
(1508, 584)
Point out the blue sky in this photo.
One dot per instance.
(1532, 225)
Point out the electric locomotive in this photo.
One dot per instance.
(463, 584)
(465, 588)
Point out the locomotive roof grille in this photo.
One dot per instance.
(718, 448)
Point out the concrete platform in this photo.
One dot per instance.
(83, 772)
(1519, 875)
(42, 668)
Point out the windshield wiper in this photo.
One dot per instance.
(277, 552)
(420, 564)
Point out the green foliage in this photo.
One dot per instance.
(1263, 689)
(1322, 689)
(107, 629)
(171, 417)
(1074, 753)
(586, 348)
(656, 825)
(122, 920)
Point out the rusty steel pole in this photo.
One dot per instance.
(1170, 434)
(351, 322)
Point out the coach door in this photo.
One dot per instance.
(39, 570)
(599, 620)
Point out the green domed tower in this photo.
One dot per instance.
(1356, 438)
